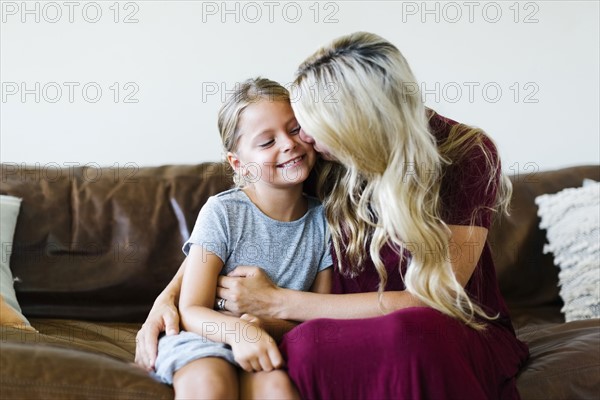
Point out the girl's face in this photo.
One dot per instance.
(319, 148)
(269, 149)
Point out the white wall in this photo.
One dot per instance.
(178, 53)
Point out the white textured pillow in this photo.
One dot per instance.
(571, 218)
(9, 211)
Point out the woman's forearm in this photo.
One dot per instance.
(302, 306)
(248, 289)
(171, 293)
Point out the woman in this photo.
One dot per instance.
(409, 195)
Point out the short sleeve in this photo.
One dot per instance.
(210, 230)
(326, 260)
(468, 194)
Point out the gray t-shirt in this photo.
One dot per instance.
(230, 226)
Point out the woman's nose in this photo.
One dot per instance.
(306, 138)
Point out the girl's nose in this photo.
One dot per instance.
(289, 144)
(305, 137)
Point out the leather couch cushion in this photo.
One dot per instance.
(70, 359)
(102, 243)
(559, 353)
(49, 372)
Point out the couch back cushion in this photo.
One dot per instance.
(101, 243)
(527, 277)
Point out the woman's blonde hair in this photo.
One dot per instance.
(246, 93)
(359, 98)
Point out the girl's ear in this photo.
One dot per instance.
(235, 162)
(238, 169)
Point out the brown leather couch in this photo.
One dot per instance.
(94, 247)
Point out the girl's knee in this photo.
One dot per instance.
(269, 385)
(206, 379)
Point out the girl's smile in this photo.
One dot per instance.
(292, 163)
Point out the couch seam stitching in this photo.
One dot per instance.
(569, 372)
(21, 382)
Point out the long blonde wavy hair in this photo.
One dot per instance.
(357, 97)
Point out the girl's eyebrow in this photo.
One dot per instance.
(267, 131)
(263, 132)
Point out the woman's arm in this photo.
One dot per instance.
(269, 300)
(466, 245)
(248, 289)
(163, 317)
(278, 327)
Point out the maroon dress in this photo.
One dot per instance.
(418, 352)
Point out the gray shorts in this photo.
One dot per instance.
(176, 351)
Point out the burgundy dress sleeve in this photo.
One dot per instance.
(468, 194)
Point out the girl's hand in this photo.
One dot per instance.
(254, 320)
(248, 290)
(164, 317)
(255, 350)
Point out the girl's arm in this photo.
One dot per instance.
(252, 347)
(256, 294)
(197, 298)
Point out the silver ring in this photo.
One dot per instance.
(221, 304)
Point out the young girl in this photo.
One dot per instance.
(265, 221)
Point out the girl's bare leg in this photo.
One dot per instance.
(206, 378)
(267, 385)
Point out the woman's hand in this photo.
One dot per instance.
(248, 290)
(255, 350)
(164, 317)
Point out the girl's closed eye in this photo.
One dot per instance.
(266, 144)
(296, 130)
